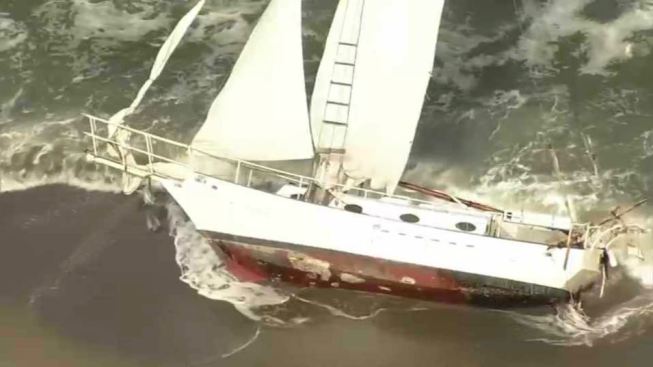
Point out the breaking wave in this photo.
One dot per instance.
(570, 326)
(50, 152)
(12, 33)
(203, 270)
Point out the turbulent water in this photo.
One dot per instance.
(513, 80)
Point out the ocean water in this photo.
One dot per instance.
(89, 276)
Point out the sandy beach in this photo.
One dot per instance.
(83, 281)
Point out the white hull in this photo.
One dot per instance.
(224, 208)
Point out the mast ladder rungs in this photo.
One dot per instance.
(331, 122)
(338, 103)
(342, 84)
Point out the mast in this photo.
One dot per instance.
(332, 95)
(370, 88)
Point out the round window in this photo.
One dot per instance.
(466, 226)
(353, 208)
(409, 218)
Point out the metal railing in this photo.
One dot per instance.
(101, 144)
(590, 235)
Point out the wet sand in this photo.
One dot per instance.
(84, 282)
(83, 269)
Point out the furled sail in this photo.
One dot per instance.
(261, 112)
(371, 84)
(162, 57)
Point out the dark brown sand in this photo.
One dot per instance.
(83, 282)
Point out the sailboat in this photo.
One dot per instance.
(347, 225)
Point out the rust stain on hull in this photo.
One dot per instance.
(320, 268)
(312, 266)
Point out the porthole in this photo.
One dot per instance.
(353, 208)
(409, 218)
(466, 226)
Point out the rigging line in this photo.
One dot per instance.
(617, 213)
(445, 196)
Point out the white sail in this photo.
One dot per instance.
(371, 84)
(162, 57)
(261, 112)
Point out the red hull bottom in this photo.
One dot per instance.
(327, 269)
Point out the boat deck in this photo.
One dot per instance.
(158, 157)
(148, 156)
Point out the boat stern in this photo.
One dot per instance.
(587, 273)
